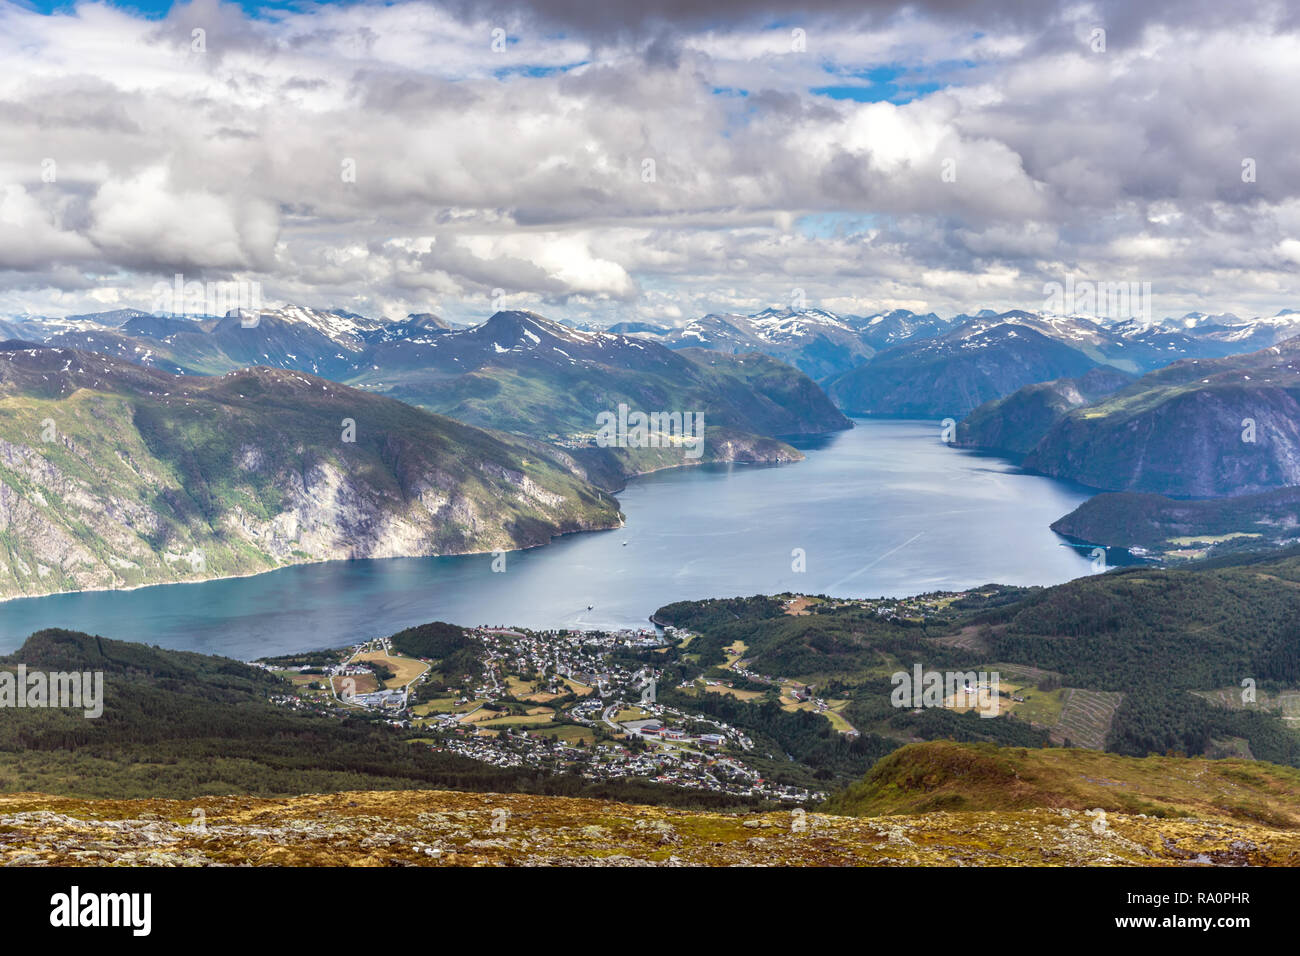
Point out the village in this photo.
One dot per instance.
(560, 701)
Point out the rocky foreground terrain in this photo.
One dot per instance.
(440, 828)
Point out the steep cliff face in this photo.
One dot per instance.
(113, 475)
(1017, 423)
(1210, 439)
(1198, 428)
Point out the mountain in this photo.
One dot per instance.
(883, 330)
(522, 373)
(1161, 344)
(819, 343)
(1198, 428)
(1016, 423)
(516, 372)
(825, 345)
(114, 475)
(634, 328)
(953, 373)
(1136, 661)
(328, 343)
(991, 355)
(39, 328)
(116, 317)
(414, 326)
(1236, 334)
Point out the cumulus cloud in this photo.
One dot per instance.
(650, 160)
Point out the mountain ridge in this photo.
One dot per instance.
(115, 475)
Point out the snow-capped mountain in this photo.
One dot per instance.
(345, 328)
(415, 327)
(521, 372)
(322, 342)
(1194, 320)
(1240, 335)
(882, 330)
(386, 354)
(992, 355)
(816, 341)
(40, 328)
(504, 340)
(949, 375)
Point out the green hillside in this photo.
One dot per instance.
(943, 776)
(1199, 660)
(116, 476)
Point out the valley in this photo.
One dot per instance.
(648, 434)
(687, 533)
(786, 700)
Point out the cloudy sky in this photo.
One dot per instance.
(647, 159)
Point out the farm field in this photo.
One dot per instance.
(405, 669)
(1086, 717)
(360, 684)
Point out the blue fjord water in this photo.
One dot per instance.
(885, 509)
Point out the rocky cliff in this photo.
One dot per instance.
(1016, 423)
(112, 475)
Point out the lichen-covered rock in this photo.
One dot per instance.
(434, 828)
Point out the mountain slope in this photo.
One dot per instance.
(819, 343)
(325, 343)
(1137, 660)
(954, 373)
(438, 828)
(114, 475)
(522, 373)
(516, 372)
(886, 329)
(1016, 423)
(1198, 428)
(1236, 335)
(940, 775)
(176, 724)
(1172, 528)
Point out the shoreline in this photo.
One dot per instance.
(418, 594)
(401, 557)
(299, 564)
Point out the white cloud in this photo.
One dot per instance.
(523, 169)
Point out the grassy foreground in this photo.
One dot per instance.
(922, 778)
(1023, 807)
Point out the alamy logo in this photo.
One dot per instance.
(209, 298)
(24, 688)
(74, 908)
(628, 429)
(977, 690)
(1112, 300)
